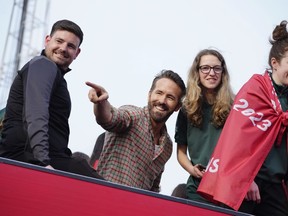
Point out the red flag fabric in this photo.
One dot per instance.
(255, 121)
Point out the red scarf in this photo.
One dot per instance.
(256, 120)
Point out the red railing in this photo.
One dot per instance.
(31, 190)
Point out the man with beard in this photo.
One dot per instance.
(35, 127)
(137, 144)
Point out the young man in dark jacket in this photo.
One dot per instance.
(35, 128)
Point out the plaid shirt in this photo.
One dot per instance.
(129, 155)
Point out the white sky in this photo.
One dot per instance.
(127, 42)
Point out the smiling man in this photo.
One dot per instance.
(137, 144)
(35, 127)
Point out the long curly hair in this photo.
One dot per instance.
(195, 94)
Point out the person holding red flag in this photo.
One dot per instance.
(248, 168)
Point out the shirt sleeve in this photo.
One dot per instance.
(181, 128)
(37, 91)
(122, 118)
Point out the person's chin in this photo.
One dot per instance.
(59, 61)
(212, 86)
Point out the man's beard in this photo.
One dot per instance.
(158, 116)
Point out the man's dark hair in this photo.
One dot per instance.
(180, 191)
(97, 149)
(67, 25)
(169, 74)
(80, 156)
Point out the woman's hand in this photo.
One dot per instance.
(253, 193)
(198, 171)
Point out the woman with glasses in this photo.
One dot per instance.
(205, 108)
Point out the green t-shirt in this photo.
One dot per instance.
(200, 144)
(200, 141)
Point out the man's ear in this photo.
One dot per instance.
(148, 96)
(47, 39)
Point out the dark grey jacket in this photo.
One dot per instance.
(37, 113)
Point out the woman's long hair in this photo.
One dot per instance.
(195, 94)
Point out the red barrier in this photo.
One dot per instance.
(31, 190)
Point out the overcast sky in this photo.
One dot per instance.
(127, 42)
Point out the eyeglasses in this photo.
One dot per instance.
(206, 69)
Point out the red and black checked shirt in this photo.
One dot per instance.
(129, 156)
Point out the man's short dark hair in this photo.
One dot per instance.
(169, 74)
(67, 25)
